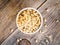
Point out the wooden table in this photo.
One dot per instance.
(50, 10)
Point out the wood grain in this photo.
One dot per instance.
(8, 13)
(49, 10)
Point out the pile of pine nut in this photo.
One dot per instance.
(29, 21)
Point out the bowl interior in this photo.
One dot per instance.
(39, 15)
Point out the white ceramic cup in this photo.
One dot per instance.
(40, 17)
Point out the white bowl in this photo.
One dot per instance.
(35, 10)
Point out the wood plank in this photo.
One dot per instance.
(51, 11)
(8, 15)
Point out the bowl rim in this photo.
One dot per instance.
(40, 17)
